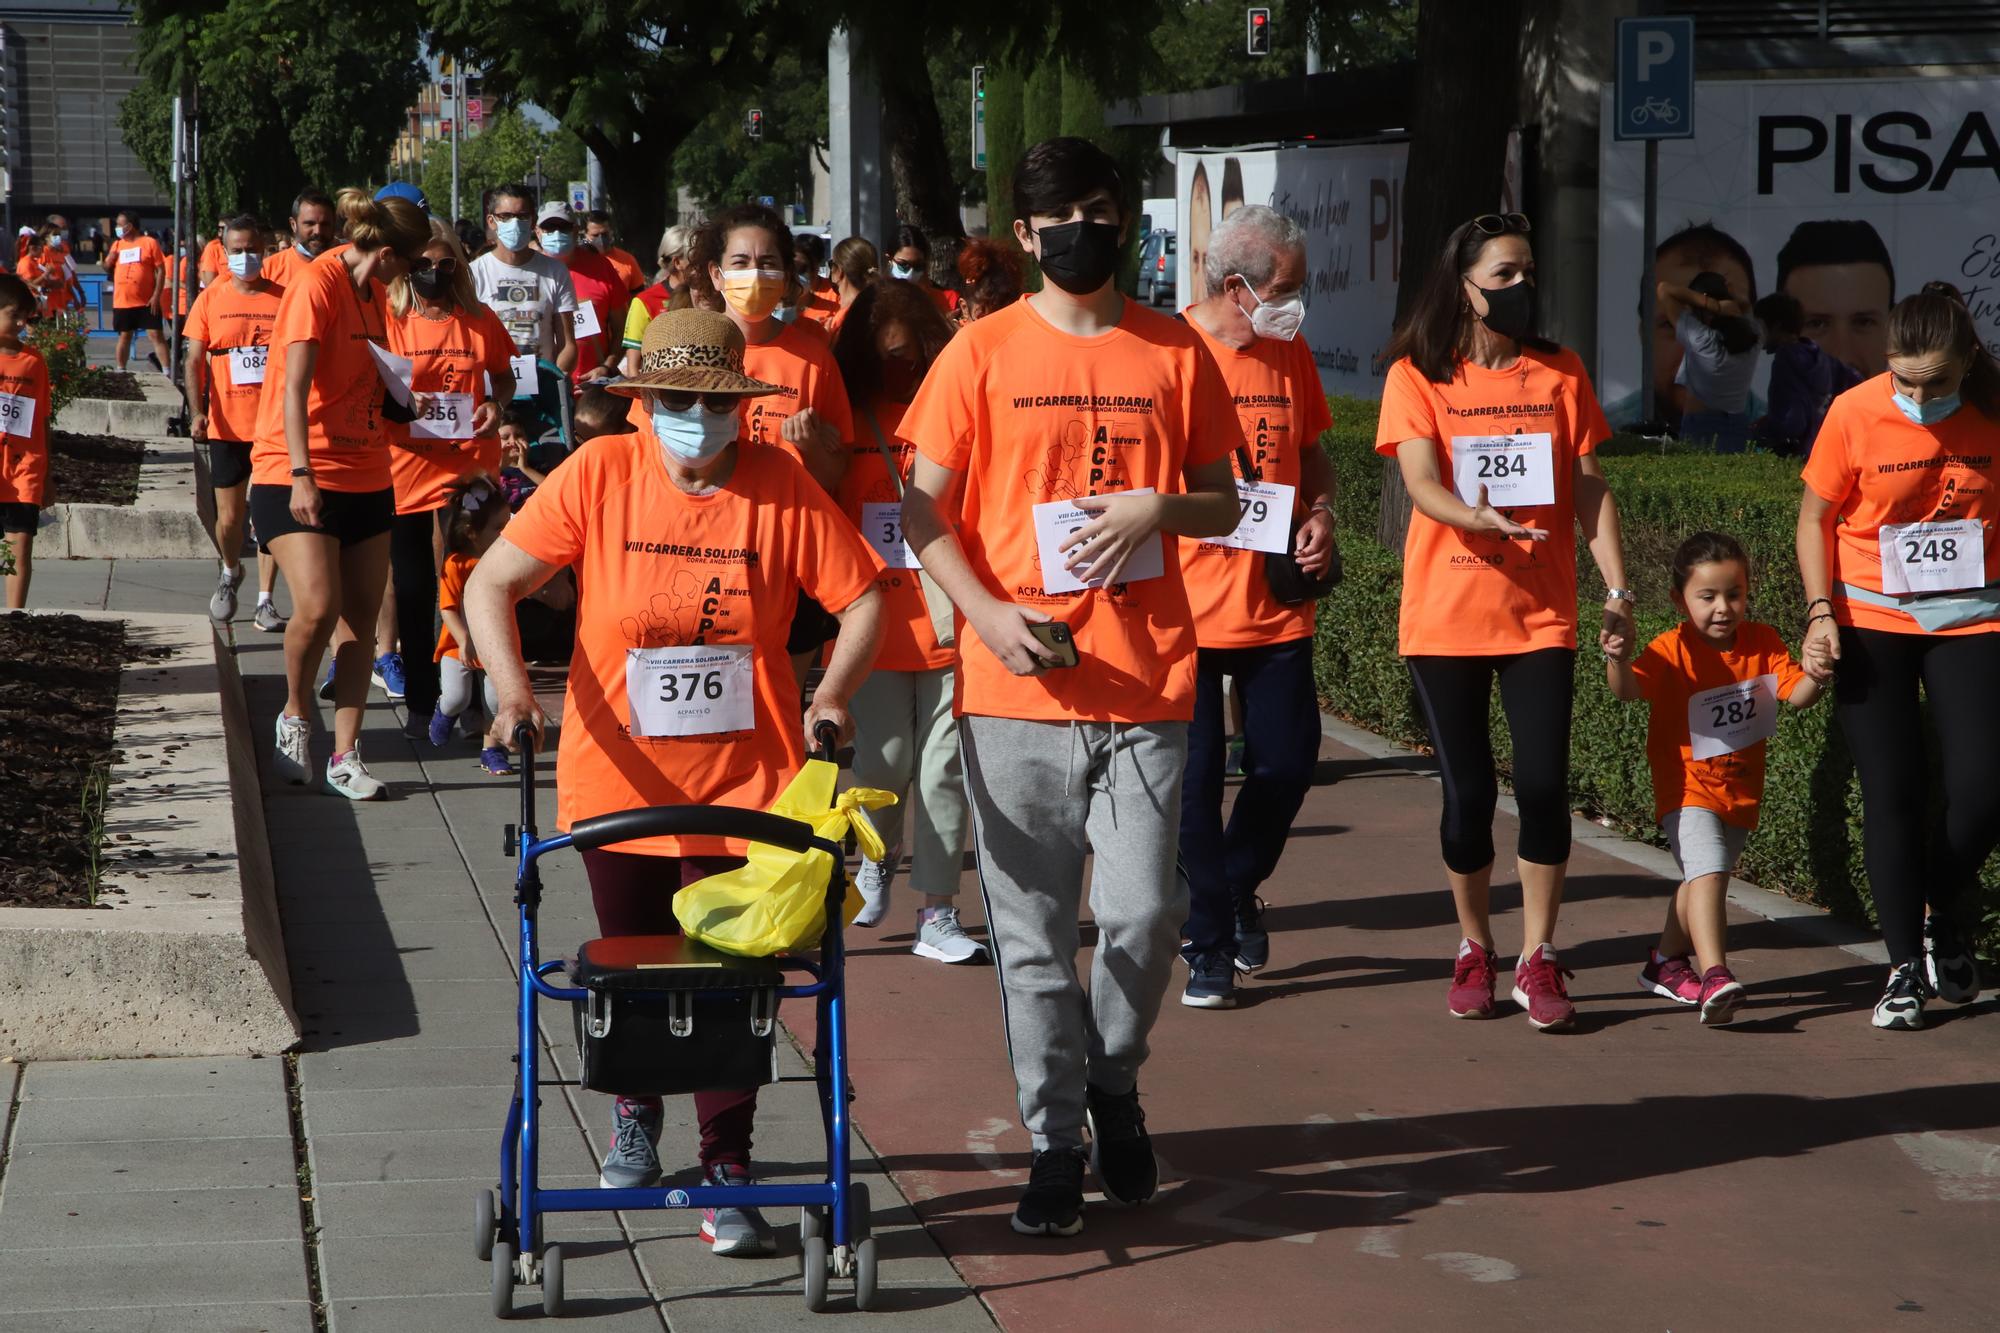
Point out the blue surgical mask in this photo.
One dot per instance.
(120, 232)
(557, 242)
(512, 234)
(902, 271)
(696, 436)
(246, 265)
(1927, 413)
(306, 248)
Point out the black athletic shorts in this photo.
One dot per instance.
(133, 318)
(18, 516)
(352, 516)
(228, 462)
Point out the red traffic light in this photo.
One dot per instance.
(1259, 17)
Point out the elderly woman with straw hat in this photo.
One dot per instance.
(691, 552)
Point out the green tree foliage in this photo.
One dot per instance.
(504, 150)
(311, 92)
(719, 164)
(1202, 45)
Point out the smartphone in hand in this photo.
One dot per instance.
(1055, 636)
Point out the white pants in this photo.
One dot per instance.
(455, 686)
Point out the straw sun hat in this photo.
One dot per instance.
(692, 351)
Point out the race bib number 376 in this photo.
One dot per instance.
(702, 690)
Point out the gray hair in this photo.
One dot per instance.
(1248, 244)
(675, 241)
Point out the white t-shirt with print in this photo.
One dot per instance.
(527, 297)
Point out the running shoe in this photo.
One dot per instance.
(1121, 1151)
(873, 879)
(293, 760)
(1721, 996)
(388, 675)
(1538, 988)
(633, 1162)
(1671, 978)
(439, 731)
(1901, 1007)
(736, 1233)
(1052, 1205)
(941, 939)
(222, 602)
(1950, 970)
(417, 726)
(494, 760)
(347, 776)
(268, 618)
(1471, 982)
(1211, 982)
(1253, 943)
(326, 682)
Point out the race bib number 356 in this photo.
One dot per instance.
(702, 690)
(1933, 557)
(1732, 717)
(1516, 470)
(448, 417)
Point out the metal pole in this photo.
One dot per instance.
(180, 238)
(1648, 298)
(456, 80)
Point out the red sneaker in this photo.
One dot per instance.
(1538, 988)
(1670, 978)
(1721, 996)
(1472, 983)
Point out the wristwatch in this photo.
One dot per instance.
(302, 472)
(1619, 595)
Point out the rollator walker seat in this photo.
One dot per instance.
(655, 1024)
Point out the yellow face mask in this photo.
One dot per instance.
(753, 292)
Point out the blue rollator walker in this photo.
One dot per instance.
(663, 1014)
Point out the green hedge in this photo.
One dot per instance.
(1808, 843)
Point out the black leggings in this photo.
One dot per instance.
(413, 574)
(1909, 861)
(1535, 690)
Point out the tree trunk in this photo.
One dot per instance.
(633, 176)
(1466, 57)
(919, 158)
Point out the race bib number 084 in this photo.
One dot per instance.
(1517, 470)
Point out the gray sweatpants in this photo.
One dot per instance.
(1042, 793)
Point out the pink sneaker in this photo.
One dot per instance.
(1670, 979)
(1721, 996)
(1472, 983)
(1538, 988)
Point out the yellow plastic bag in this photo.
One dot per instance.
(776, 903)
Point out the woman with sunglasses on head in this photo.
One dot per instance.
(320, 491)
(457, 348)
(691, 550)
(1495, 428)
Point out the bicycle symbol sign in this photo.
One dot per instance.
(1656, 109)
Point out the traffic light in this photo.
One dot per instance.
(753, 123)
(1260, 32)
(979, 117)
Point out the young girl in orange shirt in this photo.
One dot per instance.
(1714, 682)
(24, 436)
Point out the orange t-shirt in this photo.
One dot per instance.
(35, 269)
(451, 356)
(451, 591)
(24, 457)
(139, 272)
(659, 568)
(224, 318)
(822, 303)
(214, 261)
(909, 643)
(347, 438)
(285, 266)
(1275, 387)
(1673, 669)
(801, 364)
(1465, 595)
(628, 268)
(1876, 467)
(1030, 414)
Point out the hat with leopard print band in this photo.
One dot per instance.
(691, 351)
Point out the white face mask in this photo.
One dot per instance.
(695, 436)
(119, 231)
(903, 271)
(246, 265)
(1275, 319)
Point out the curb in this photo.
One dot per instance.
(162, 523)
(1814, 923)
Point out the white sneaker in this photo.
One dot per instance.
(293, 760)
(222, 603)
(351, 779)
(873, 880)
(1902, 1004)
(941, 938)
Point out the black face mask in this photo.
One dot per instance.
(430, 284)
(1512, 312)
(1079, 257)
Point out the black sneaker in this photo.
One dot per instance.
(1950, 970)
(1053, 1203)
(1253, 944)
(1121, 1152)
(1902, 1004)
(1211, 982)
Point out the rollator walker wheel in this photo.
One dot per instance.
(485, 1225)
(503, 1280)
(552, 1280)
(813, 1256)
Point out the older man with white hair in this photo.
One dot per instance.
(1249, 629)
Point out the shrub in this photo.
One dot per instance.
(60, 340)
(1808, 843)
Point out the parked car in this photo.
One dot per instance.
(1158, 269)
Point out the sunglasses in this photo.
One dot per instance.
(1499, 224)
(714, 402)
(446, 267)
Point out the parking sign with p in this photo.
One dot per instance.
(1655, 90)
